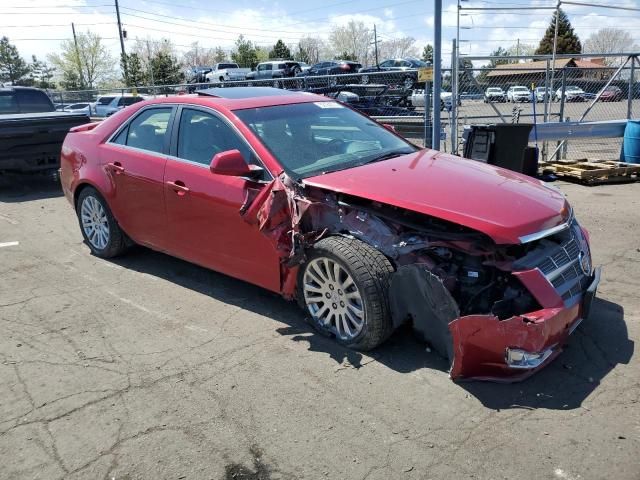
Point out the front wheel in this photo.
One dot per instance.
(99, 228)
(344, 286)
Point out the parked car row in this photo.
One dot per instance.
(405, 68)
(572, 93)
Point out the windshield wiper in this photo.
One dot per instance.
(387, 155)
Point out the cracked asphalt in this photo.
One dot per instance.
(147, 367)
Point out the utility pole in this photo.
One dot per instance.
(375, 42)
(124, 54)
(75, 42)
(150, 66)
(437, 72)
(518, 48)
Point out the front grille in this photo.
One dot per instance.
(562, 265)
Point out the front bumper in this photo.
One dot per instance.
(486, 348)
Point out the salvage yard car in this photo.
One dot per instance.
(305, 197)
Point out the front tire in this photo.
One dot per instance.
(344, 287)
(98, 226)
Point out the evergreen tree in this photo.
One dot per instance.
(136, 74)
(347, 56)
(12, 66)
(166, 69)
(280, 50)
(220, 55)
(427, 54)
(568, 41)
(245, 54)
(41, 73)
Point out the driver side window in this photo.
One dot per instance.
(201, 135)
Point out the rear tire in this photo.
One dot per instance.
(344, 287)
(98, 226)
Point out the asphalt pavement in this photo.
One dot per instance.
(148, 367)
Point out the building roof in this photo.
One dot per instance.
(540, 66)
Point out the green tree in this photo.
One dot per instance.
(494, 62)
(89, 62)
(41, 73)
(280, 50)
(568, 41)
(427, 53)
(245, 54)
(219, 55)
(13, 68)
(346, 56)
(136, 73)
(166, 69)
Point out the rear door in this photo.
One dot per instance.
(203, 209)
(135, 159)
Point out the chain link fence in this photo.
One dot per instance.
(523, 91)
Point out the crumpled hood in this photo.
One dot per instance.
(499, 203)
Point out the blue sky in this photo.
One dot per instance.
(36, 26)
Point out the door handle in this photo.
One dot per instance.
(116, 167)
(179, 187)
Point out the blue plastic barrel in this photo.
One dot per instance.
(631, 142)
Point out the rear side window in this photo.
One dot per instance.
(8, 103)
(147, 131)
(33, 101)
(222, 66)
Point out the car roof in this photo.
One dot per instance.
(237, 98)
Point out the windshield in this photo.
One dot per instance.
(520, 89)
(314, 138)
(494, 90)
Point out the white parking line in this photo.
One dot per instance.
(9, 244)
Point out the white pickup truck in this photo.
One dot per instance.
(224, 72)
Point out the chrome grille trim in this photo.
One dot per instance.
(562, 267)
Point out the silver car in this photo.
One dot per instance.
(107, 105)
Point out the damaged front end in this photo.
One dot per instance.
(497, 312)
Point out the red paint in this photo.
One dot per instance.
(502, 204)
(480, 341)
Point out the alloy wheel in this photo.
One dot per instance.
(94, 222)
(332, 298)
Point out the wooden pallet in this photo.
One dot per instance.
(594, 172)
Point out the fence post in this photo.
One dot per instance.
(427, 115)
(631, 88)
(455, 94)
(545, 100)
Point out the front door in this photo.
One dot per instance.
(135, 160)
(203, 209)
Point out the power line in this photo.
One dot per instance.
(66, 25)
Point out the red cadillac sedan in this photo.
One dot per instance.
(301, 195)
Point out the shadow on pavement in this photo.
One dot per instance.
(595, 348)
(16, 188)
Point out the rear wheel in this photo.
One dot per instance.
(344, 286)
(99, 228)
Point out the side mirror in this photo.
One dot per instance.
(233, 164)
